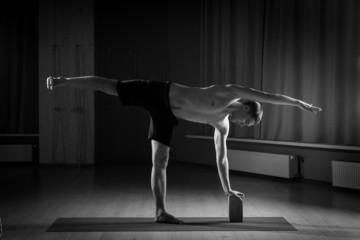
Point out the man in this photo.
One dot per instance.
(166, 102)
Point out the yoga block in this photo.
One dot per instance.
(235, 209)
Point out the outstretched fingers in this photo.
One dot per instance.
(237, 194)
(309, 107)
(315, 109)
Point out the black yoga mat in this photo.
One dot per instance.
(148, 225)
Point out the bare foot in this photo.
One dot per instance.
(164, 217)
(53, 82)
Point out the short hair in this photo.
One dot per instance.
(256, 111)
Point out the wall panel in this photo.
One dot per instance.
(66, 48)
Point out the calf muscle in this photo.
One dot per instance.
(95, 83)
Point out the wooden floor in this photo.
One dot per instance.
(30, 201)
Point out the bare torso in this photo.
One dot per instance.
(203, 105)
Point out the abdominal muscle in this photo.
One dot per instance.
(202, 105)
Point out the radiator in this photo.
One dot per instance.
(15, 153)
(346, 174)
(278, 165)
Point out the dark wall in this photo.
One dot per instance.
(183, 41)
(130, 42)
(141, 39)
(19, 105)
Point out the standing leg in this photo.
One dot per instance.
(105, 85)
(160, 158)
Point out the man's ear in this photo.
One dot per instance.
(246, 107)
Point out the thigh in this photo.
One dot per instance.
(161, 128)
(110, 87)
(134, 92)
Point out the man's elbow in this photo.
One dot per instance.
(221, 160)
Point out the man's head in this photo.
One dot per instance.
(246, 113)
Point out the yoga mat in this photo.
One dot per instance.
(148, 225)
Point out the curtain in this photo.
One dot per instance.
(19, 68)
(308, 49)
(231, 47)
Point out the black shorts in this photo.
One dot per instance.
(153, 96)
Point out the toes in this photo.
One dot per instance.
(180, 222)
(168, 219)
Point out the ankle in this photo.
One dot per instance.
(160, 211)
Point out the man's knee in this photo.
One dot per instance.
(160, 155)
(109, 87)
(161, 161)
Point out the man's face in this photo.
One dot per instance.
(241, 116)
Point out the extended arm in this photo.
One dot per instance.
(251, 94)
(222, 162)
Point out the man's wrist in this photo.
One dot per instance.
(228, 192)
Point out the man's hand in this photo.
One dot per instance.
(309, 107)
(236, 194)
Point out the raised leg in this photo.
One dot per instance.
(160, 158)
(86, 82)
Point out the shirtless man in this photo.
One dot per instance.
(166, 102)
